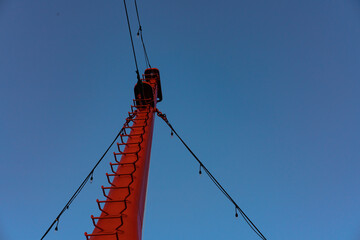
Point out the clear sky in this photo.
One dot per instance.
(265, 92)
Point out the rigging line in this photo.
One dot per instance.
(132, 43)
(82, 185)
(141, 36)
(213, 179)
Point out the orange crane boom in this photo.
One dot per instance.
(122, 211)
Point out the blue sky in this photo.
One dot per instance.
(265, 92)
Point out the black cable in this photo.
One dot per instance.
(132, 44)
(82, 185)
(141, 36)
(213, 179)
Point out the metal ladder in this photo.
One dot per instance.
(122, 174)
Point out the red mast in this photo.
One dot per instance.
(122, 211)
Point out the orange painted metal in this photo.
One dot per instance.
(122, 211)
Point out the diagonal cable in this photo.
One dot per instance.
(213, 179)
(132, 43)
(139, 33)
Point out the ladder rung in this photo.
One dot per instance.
(104, 193)
(98, 203)
(102, 234)
(121, 174)
(134, 134)
(138, 111)
(115, 187)
(127, 153)
(113, 175)
(135, 126)
(127, 144)
(93, 221)
(113, 201)
(147, 105)
(138, 119)
(107, 217)
(122, 164)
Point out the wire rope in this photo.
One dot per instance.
(132, 43)
(214, 180)
(139, 33)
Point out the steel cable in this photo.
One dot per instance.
(132, 43)
(139, 33)
(213, 179)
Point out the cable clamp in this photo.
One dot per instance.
(57, 224)
(92, 177)
(139, 31)
(162, 116)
